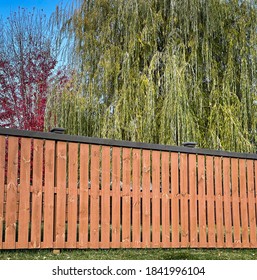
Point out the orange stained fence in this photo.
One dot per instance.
(62, 191)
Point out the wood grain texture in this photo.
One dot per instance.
(106, 181)
(126, 197)
(210, 202)
(136, 205)
(49, 194)
(156, 199)
(146, 200)
(235, 204)
(251, 202)
(175, 226)
(193, 201)
(165, 201)
(2, 189)
(184, 200)
(83, 196)
(227, 202)
(243, 203)
(24, 205)
(11, 193)
(60, 223)
(218, 202)
(116, 166)
(94, 202)
(202, 205)
(36, 217)
(72, 202)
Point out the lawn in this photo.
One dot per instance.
(132, 254)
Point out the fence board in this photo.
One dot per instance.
(156, 199)
(193, 200)
(136, 199)
(146, 199)
(116, 197)
(202, 205)
(72, 195)
(184, 200)
(218, 202)
(36, 216)
(165, 201)
(105, 227)
(2, 183)
(49, 194)
(243, 203)
(251, 200)
(175, 201)
(235, 203)
(11, 193)
(24, 203)
(126, 181)
(83, 196)
(59, 230)
(210, 202)
(227, 202)
(94, 202)
(255, 193)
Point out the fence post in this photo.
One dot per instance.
(185, 202)
(57, 130)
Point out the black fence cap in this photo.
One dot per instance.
(58, 130)
(121, 143)
(189, 144)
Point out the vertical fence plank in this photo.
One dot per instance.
(36, 216)
(202, 206)
(210, 202)
(252, 212)
(235, 203)
(255, 192)
(184, 200)
(106, 171)
(61, 157)
(165, 201)
(156, 199)
(227, 202)
(126, 217)
(243, 203)
(116, 197)
(24, 205)
(94, 203)
(2, 187)
(218, 201)
(146, 199)
(11, 194)
(49, 194)
(175, 200)
(72, 195)
(193, 200)
(83, 196)
(136, 199)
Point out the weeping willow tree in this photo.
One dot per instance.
(161, 71)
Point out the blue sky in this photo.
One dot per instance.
(48, 6)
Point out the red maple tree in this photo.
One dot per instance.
(27, 63)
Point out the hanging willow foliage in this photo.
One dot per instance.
(161, 71)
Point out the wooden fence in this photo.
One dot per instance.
(61, 191)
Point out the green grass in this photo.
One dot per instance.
(132, 254)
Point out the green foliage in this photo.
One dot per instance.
(162, 71)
